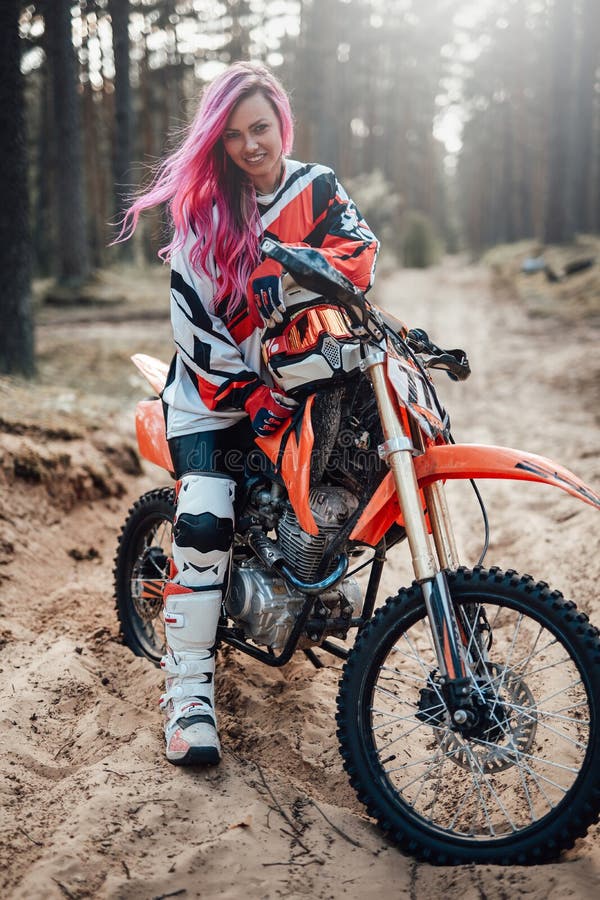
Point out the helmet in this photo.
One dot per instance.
(313, 345)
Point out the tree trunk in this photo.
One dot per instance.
(558, 217)
(123, 143)
(72, 246)
(16, 322)
(43, 231)
(585, 126)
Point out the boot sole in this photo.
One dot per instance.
(198, 756)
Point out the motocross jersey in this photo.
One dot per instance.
(218, 362)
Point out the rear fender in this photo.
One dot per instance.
(150, 432)
(442, 462)
(154, 370)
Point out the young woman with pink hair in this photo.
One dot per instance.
(228, 185)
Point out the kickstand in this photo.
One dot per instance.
(310, 654)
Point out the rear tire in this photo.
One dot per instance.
(523, 788)
(141, 571)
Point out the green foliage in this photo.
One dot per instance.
(407, 237)
(381, 205)
(420, 245)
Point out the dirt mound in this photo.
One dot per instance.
(69, 466)
(564, 283)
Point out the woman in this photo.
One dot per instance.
(229, 184)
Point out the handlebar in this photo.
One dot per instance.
(312, 271)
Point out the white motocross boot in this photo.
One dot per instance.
(191, 619)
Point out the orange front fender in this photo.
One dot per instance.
(480, 461)
(446, 461)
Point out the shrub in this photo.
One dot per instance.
(420, 246)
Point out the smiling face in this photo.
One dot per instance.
(252, 140)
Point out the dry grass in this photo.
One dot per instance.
(573, 297)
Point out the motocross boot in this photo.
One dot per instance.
(191, 619)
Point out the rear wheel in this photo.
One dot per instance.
(141, 571)
(522, 784)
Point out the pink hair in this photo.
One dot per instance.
(200, 174)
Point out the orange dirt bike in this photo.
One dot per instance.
(469, 706)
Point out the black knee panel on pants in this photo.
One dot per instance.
(204, 532)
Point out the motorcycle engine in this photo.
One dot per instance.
(264, 604)
(331, 507)
(266, 607)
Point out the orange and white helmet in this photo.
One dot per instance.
(313, 345)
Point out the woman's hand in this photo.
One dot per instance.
(265, 292)
(268, 410)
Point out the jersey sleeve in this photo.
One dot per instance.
(213, 360)
(341, 234)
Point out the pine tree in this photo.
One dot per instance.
(16, 321)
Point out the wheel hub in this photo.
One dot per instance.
(500, 723)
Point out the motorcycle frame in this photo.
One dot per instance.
(410, 499)
(398, 449)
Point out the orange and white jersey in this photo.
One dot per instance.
(218, 361)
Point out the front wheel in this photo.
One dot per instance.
(142, 570)
(525, 782)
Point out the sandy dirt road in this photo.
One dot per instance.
(90, 808)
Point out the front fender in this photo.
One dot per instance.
(480, 461)
(452, 461)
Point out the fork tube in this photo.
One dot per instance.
(397, 451)
(441, 525)
(439, 514)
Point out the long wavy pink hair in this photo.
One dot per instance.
(200, 174)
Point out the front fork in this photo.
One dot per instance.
(398, 450)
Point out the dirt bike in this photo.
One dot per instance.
(469, 706)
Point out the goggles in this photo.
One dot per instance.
(306, 328)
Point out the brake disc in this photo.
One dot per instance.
(510, 727)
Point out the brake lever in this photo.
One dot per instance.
(454, 362)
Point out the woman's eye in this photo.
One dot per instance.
(260, 128)
(230, 135)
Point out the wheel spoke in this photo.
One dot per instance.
(516, 754)
(396, 718)
(488, 783)
(568, 687)
(430, 722)
(524, 710)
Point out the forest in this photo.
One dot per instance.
(471, 123)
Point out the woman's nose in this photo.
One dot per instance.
(251, 142)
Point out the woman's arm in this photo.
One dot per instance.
(211, 356)
(341, 234)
